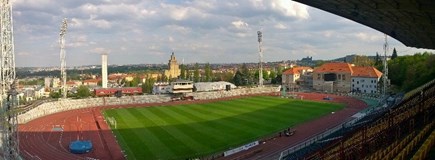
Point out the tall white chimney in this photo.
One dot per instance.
(104, 70)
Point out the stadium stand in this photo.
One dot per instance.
(52, 107)
(402, 130)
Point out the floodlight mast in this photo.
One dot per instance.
(8, 100)
(260, 51)
(385, 74)
(62, 34)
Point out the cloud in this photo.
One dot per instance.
(91, 22)
(240, 24)
(77, 41)
(99, 50)
(290, 8)
(171, 39)
(369, 37)
(280, 26)
(179, 13)
(199, 31)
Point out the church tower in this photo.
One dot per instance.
(174, 69)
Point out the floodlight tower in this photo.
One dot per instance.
(62, 34)
(8, 100)
(385, 75)
(260, 51)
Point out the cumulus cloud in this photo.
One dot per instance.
(290, 8)
(199, 31)
(369, 37)
(180, 13)
(240, 24)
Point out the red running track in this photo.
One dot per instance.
(306, 130)
(39, 141)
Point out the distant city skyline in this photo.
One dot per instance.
(147, 32)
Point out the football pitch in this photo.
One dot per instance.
(195, 130)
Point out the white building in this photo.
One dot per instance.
(365, 79)
(56, 82)
(213, 86)
(47, 82)
(40, 92)
(181, 86)
(161, 88)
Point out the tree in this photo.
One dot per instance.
(247, 74)
(83, 92)
(277, 79)
(225, 76)
(196, 73)
(409, 72)
(378, 61)
(165, 78)
(272, 74)
(265, 75)
(279, 69)
(147, 87)
(238, 79)
(245, 71)
(394, 55)
(133, 83)
(188, 75)
(256, 75)
(54, 94)
(182, 71)
(362, 61)
(319, 63)
(208, 73)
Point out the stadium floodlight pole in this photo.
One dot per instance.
(62, 34)
(8, 93)
(385, 75)
(260, 51)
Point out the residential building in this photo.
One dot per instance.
(91, 82)
(56, 82)
(365, 79)
(296, 77)
(344, 77)
(40, 92)
(333, 77)
(47, 82)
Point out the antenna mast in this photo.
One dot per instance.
(62, 34)
(8, 100)
(385, 75)
(260, 51)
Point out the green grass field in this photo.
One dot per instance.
(186, 131)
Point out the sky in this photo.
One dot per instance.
(197, 31)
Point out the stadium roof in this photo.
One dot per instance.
(411, 22)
